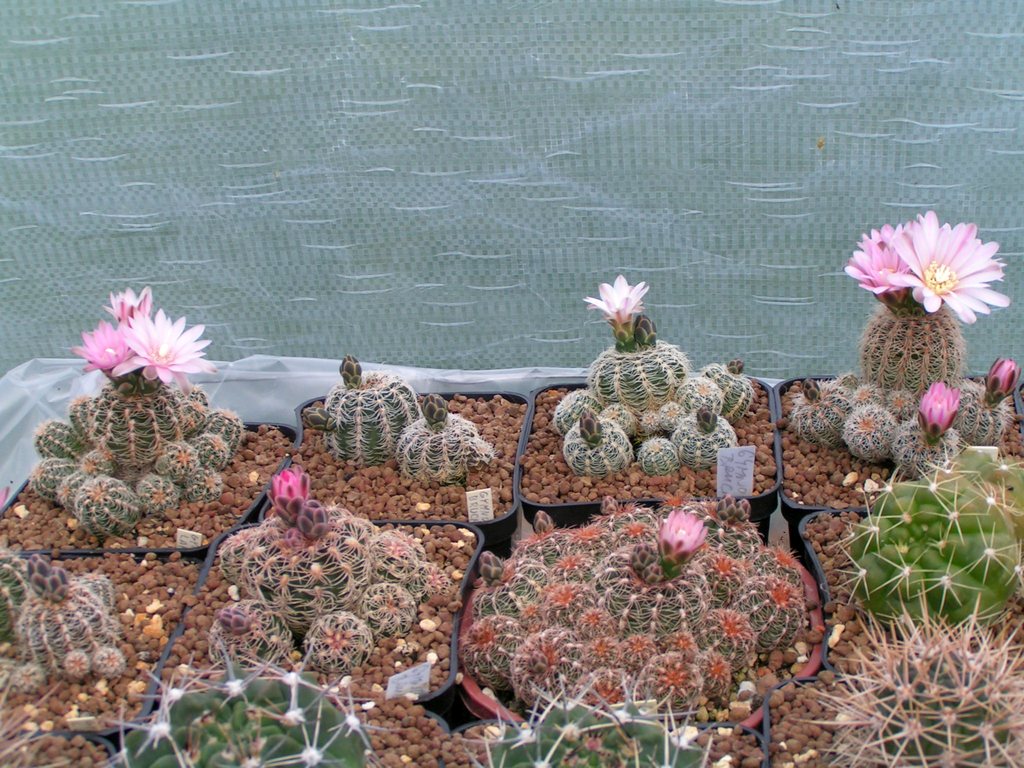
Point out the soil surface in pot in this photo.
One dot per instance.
(447, 546)
(833, 477)
(402, 734)
(382, 493)
(35, 523)
(73, 751)
(547, 479)
(151, 596)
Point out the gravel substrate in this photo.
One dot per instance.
(35, 523)
(382, 493)
(449, 547)
(151, 594)
(58, 752)
(816, 476)
(548, 480)
(403, 734)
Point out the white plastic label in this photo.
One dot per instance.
(414, 680)
(989, 451)
(83, 723)
(736, 471)
(481, 505)
(187, 539)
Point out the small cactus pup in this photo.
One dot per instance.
(820, 412)
(986, 411)
(929, 441)
(441, 447)
(699, 437)
(140, 446)
(364, 414)
(237, 720)
(571, 407)
(251, 634)
(930, 694)
(922, 273)
(942, 546)
(700, 393)
(869, 432)
(640, 372)
(737, 389)
(658, 456)
(596, 447)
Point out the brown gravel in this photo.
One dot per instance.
(821, 477)
(381, 493)
(547, 479)
(448, 546)
(49, 526)
(58, 751)
(151, 597)
(403, 734)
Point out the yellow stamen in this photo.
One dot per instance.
(939, 278)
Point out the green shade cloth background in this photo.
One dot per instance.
(441, 182)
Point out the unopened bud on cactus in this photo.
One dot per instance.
(811, 390)
(492, 568)
(351, 372)
(435, 410)
(313, 520)
(680, 536)
(707, 421)
(318, 419)
(49, 581)
(644, 562)
(289, 490)
(1001, 380)
(937, 411)
(590, 429)
(735, 367)
(645, 333)
(542, 523)
(732, 512)
(609, 506)
(234, 620)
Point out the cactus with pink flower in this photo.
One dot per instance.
(148, 441)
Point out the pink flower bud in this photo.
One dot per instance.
(1001, 380)
(289, 489)
(681, 534)
(937, 410)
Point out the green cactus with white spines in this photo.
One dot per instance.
(364, 415)
(658, 456)
(700, 393)
(980, 421)
(157, 494)
(441, 447)
(106, 505)
(55, 439)
(699, 437)
(595, 447)
(48, 475)
(669, 415)
(571, 407)
(13, 584)
(869, 432)
(737, 390)
(944, 545)
(622, 416)
(820, 412)
(649, 423)
(252, 635)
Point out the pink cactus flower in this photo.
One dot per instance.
(619, 302)
(1001, 380)
(164, 350)
(680, 536)
(876, 261)
(949, 265)
(126, 305)
(104, 349)
(291, 483)
(938, 410)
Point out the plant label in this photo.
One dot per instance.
(989, 451)
(736, 471)
(481, 505)
(83, 723)
(186, 539)
(414, 680)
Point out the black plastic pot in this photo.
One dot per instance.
(579, 513)
(250, 513)
(499, 531)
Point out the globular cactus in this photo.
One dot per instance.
(658, 456)
(649, 423)
(227, 426)
(487, 648)
(942, 546)
(731, 633)
(441, 447)
(48, 475)
(929, 694)
(912, 349)
(595, 447)
(869, 432)
(669, 415)
(698, 439)
(399, 558)
(338, 642)
(674, 680)
(157, 494)
(55, 439)
(364, 415)
(730, 529)
(979, 421)
(700, 393)
(285, 719)
(642, 380)
(179, 462)
(916, 456)
(571, 407)
(388, 609)
(13, 584)
(737, 389)
(252, 635)
(866, 394)
(67, 625)
(105, 506)
(543, 662)
(901, 403)
(776, 610)
(20, 677)
(622, 416)
(819, 413)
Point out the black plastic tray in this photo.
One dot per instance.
(499, 531)
(579, 513)
(250, 513)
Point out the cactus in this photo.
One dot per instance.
(48, 475)
(364, 415)
(400, 558)
(544, 661)
(820, 411)
(674, 680)
(487, 648)
(912, 349)
(388, 609)
(979, 421)
(55, 439)
(869, 432)
(700, 393)
(642, 380)
(698, 439)
(937, 546)
(13, 584)
(737, 389)
(658, 456)
(157, 494)
(106, 506)
(284, 720)
(622, 416)
(338, 642)
(596, 447)
(902, 404)
(866, 394)
(571, 407)
(669, 415)
(252, 635)
(731, 633)
(776, 610)
(440, 447)
(916, 456)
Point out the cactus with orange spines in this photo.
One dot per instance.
(730, 529)
(545, 661)
(635, 650)
(731, 633)
(561, 603)
(717, 672)
(776, 610)
(487, 648)
(727, 576)
(674, 680)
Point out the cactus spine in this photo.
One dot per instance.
(912, 349)
(737, 390)
(820, 412)
(698, 439)
(596, 447)
(441, 447)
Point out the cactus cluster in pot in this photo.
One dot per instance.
(912, 403)
(643, 402)
(669, 604)
(319, 583)
(370, 418)
(141, 446)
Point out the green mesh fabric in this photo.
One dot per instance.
(441, 182)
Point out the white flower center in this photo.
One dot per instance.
(162, 353)
(939, 278)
